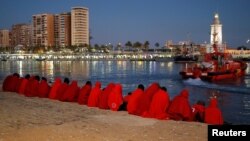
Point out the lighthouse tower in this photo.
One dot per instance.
(216, 31)
(216, 44)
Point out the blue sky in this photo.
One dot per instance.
(114, 21)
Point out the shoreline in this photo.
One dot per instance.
(32, 118)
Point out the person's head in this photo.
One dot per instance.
(140, 86)
(213, 102)
(164, 89)
(45, 79)
(16, 74)
(98, 84)
(27, 76)
(200, 102)
(66, 80)
(184, 93)
(37, 78)
(129, 93)
(89, 83)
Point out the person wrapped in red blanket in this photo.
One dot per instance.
(134, 98)
(115, 98)
(84, 93)
(93, 100)
(213, 114)
(179, 108)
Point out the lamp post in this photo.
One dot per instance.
(119, 46)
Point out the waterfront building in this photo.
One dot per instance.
(4, 38)
(168, 44)
(43, 30)
(79, 26)
(56, 30)
(62, 30)
(21, 35)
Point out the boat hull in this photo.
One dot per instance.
(222, 76)
(214, 75)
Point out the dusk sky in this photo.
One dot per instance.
(114, 21)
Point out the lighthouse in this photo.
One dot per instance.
(216, 44)
(216, 31)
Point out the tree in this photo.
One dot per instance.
(90, 37)
(137, 45)
(128, 44)
(157, 44)
(146, 45)
(85, 45)
(242, 48)
(96, 46)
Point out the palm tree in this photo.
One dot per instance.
(146, 45)
(128, 44)
(90, 37)
(96, 46)
(137, 45)
(157, 44)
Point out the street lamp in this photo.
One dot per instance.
(119, 46)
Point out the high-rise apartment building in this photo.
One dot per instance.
(4, 38)
(21, 35)
(43, 30)
(56, 30)
(79, 26)
(62, 29)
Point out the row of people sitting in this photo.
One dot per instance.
(154, 102)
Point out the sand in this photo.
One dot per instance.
(40, 119)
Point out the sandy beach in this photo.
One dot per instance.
(40, 119)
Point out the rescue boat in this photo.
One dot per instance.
(215, 66)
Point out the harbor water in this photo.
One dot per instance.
(233, 95)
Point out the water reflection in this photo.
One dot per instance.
(234, 96)
(20, 63)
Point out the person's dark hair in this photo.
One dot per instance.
(89, 83)
(27, 76)
(45, 79)
(201, 102)
(66, 80)
(140, 86)
(37, 78)
(164, 89)
(16, 74)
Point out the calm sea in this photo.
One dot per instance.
(234, 95)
